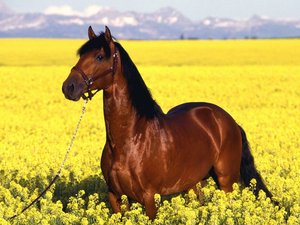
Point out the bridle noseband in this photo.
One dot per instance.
(89, 80)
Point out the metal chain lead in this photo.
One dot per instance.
(73, 137)
(62, 164)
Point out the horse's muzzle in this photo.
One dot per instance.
(72, 90)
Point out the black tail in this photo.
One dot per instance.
(248, 170)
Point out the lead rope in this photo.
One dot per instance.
(62, 164)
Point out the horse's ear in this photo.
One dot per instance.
(91, 33)
(107, 35)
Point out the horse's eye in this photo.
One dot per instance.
(99, 57)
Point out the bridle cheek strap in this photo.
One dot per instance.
(90, 80)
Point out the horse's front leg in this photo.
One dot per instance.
(115, 202)
(150, 206)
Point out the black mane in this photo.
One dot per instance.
(139, 94)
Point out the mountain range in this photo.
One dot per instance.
(166, 23)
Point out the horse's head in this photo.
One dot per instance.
(95, 68)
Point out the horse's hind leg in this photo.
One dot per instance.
(227, 173)
(227, 170)
(227, 165)
(226, 181)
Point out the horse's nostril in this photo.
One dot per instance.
(71, 88)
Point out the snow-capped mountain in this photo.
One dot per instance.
(166, 23)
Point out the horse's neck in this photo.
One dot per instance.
(119, 113)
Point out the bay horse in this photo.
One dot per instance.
(147, 151)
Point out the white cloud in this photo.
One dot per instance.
(93, 9)
(67, 10)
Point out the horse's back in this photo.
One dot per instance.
(202, 112)
(193, 105)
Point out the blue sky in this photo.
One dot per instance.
(193, 9)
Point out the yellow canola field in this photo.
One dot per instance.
(256, 81)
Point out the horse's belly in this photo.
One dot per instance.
(186, 175)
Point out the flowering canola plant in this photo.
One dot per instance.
(256, 81)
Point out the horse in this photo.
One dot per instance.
(148, 151)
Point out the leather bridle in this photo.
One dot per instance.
(89, 80)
